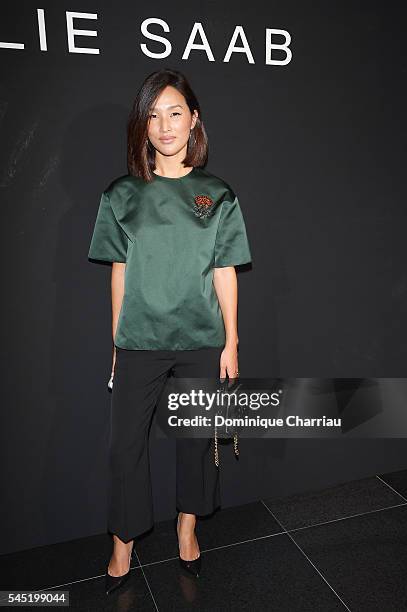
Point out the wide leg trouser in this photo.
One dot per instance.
(139, 378)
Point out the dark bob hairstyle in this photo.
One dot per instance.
(140, 151)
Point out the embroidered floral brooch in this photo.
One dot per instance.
(203, 206)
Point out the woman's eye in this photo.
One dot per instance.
(153, 115)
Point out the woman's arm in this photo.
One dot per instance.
(117, 285)
(225, 283)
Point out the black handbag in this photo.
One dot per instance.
(230, 410)
(233, 410)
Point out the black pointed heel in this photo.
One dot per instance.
(114, 582)
(193, 566)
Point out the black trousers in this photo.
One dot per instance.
(139, 378)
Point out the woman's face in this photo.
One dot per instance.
(170, 122)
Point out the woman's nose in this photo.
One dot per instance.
(164, 125)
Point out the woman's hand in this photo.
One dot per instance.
(229, 362)
(110, 383)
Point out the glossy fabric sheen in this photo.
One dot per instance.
(169, 299)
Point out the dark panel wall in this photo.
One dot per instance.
(315, 150)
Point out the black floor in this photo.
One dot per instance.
(343, 548)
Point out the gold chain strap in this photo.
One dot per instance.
(216, 448)
(235, 446)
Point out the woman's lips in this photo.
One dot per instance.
(167, 140)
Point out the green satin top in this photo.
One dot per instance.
(171, 233)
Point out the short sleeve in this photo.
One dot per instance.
(109, 242)
(232, 245)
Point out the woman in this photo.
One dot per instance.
(174, 233)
